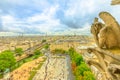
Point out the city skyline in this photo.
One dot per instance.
(52, 17)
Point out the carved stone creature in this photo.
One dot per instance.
(115, 2)
(95, 29)
(106, 35)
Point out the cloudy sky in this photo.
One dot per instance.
(52, 16)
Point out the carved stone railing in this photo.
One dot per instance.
(107, 63)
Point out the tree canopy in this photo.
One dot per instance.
(37, 52)
(80, 68)
(19, 51)
(7, 60)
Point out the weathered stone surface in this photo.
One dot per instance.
(106, 62)
(111, 22)
(95, 30)
(106, 35)
(115, 2)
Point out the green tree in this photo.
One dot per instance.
(7, 60)
(71, 52)
(88, 75)
(78, 59)
(37, 52)
(81, 69)
(44, 40)
(19, 51)
(59, 51)
(46, 46)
